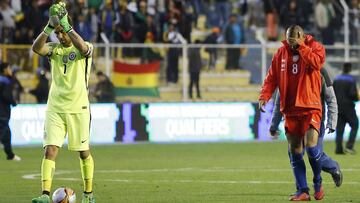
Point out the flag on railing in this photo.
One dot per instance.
(136, 79)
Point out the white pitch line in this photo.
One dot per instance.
(254, 182)
(184, 170)
(37, 175)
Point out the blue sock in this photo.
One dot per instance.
(314, 155)
(299, 170)
(291, 160)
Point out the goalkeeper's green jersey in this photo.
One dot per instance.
(70, 72)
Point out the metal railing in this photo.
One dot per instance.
(255, 61)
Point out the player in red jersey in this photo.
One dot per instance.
(295, 70)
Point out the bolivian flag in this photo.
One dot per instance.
(136, 79)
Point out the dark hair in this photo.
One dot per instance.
(99, 73)
(347, 67)
(3, 66)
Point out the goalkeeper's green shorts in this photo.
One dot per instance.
(75, 125)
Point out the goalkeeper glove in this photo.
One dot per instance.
(48, 29)
(53, 13)
(63, 16)
(65, 23)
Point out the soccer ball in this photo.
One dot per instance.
(64, 195)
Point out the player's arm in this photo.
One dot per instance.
(79, 43)
(326, 76)
(276, 116)
(39, 46)
(75, 38)
(270, 83)
(315, 55)
(332, 113)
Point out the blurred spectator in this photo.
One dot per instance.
(8, 27)
(194, 69)
(185, 21)
(95, 4)
(6, 101)
(234, 34)
(307, 7)
(126, 23)
(291, 14)
(16, 5)
(1, 26)
(104, 89)
(17, 87)
(346, 95)
(271, 8)
(150, 54)
(109, 18)
(197, 10)
(94, 23)
(172, 72)
(41, 90)
(83, 28)
(324, 15)
(35, 18)
(212, 38)
(212, 17)
(124, 29)
(141, 21)
(223, 9)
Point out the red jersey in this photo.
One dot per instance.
(298, 78)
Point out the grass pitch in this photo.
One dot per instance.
(177, 173)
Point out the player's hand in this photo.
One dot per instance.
(53, 15)
(64, 22)
(274, 134)
(300, 41)
(329, 130)
(262, 104)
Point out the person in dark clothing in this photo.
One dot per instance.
(291, 14)
(17, 87)
(172, 70)
(41, 90)
(234, 34)
(212, 38)
(104, 90)
(194, 69)
(6, 101)
(346, 95)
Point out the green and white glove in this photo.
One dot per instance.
(53, 15)
(65, 24)
(48, 29)
(53, 19)
(63, 16)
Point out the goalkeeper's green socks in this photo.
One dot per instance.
(87, 173)
(47, 174)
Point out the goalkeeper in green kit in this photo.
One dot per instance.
(68, 111)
